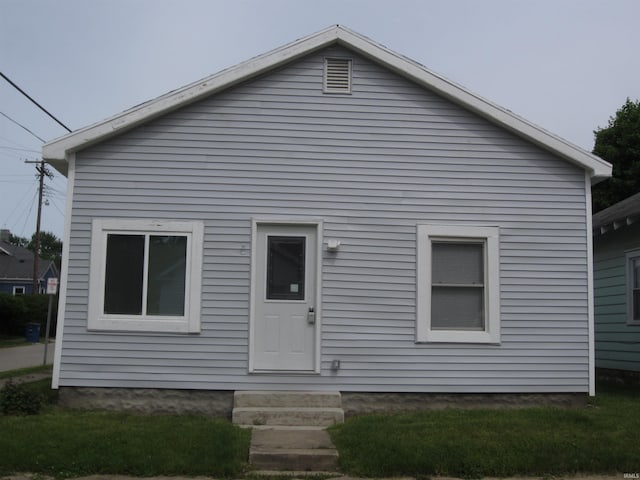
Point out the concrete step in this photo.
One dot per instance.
(288, 416)
(259, 398)
(287, 449)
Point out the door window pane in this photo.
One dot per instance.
(285, 268)
(124, 274)
(166, 275)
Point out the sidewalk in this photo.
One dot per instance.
(14, 358)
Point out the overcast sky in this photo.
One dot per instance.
(566, 65)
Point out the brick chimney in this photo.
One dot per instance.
(4, 235)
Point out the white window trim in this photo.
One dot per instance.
(15, 289)
(189, 322)
(458, 233)
(629, 257)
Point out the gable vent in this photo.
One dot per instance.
(337, 75)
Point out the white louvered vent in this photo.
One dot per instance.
(337, 75)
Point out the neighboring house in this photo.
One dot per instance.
(16, 268)
(327, 216)
(616, 246)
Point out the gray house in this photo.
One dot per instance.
(16, 268)
(329, 216)
(616, 245)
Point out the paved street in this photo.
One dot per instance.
(24, 357)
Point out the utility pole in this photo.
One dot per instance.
(42, 171)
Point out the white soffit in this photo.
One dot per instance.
(56, 151)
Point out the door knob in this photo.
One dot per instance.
(311, 316)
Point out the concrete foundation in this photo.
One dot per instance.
(220, 403)
(215, 403)
(355, 403)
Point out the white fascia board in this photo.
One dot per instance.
(597, 167)
(56, 150)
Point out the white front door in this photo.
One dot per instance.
(284, 296)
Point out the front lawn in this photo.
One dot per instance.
(601, 438)
(71, 444)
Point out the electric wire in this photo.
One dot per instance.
(19, 149)
(35, 103)
(26, 193)
(21, 126)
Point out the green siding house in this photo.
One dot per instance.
(616, 244)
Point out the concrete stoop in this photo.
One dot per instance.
(307, 409)
(288, 429)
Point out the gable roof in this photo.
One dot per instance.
(618, 215)
(16, 263)
(56, 151)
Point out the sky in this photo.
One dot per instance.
(565, 65)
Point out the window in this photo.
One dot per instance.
(458, 285)
(18, 290)
(145, 276)
(633, 287)
(285, 268)
(337, 75)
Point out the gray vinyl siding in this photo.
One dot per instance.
(617, 343)
(372, 165)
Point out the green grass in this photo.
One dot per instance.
(27, 371)
(601, 438)
(67, 444)
(598, 439)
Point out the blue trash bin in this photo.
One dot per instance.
(32, 332)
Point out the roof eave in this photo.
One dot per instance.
(56, 151)
(598, 168)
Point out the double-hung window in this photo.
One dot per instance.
(145, 276)
(633, 287)
(458, 284)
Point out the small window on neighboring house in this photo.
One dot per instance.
(18, 290)
(145, 276)
(458, 284)
(633, 287)
(337, 75)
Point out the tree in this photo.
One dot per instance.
(18, 241)
(619, 144)
(50, 247)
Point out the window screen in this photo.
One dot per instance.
(166, 278)
(457, 286)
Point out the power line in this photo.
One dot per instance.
(15, 143)
(20, 149)
(20, 125)
(35, 103)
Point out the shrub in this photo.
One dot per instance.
(15, 399)
(16, 311)
(12, 314)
